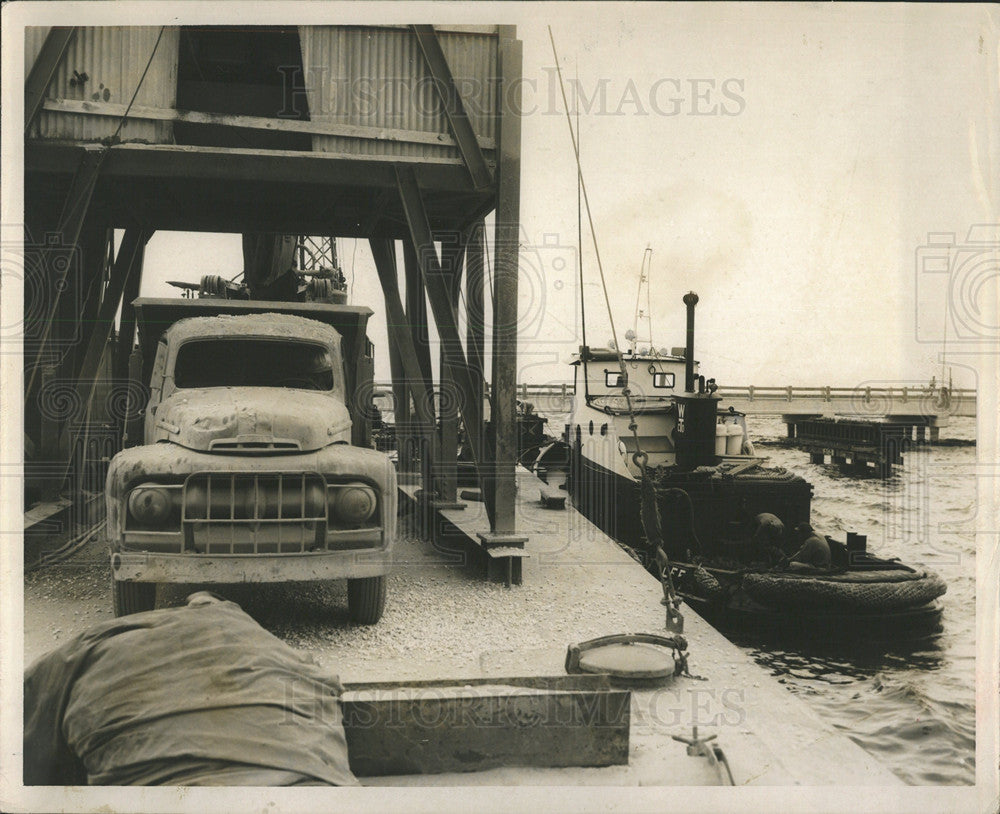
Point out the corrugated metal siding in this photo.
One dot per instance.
(113, 57)
(377, 77)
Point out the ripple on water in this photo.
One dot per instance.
(911, 706)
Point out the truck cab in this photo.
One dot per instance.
(256, 462)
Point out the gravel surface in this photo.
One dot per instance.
(443, 621)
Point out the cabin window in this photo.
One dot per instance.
(663, 380)
(613, 378)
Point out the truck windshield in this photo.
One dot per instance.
(254, 362)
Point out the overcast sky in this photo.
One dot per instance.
(785, 162)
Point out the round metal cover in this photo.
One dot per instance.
(628, 661)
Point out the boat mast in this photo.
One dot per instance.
(579, 211)
(579, 240)
(644, 268)
(648, 510)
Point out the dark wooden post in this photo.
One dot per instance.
(504, 379)
(400, 405)
(401, 337)
(475, 331)
(438, 291)
(128, 263)
(97, 251)
(447, 462)
(416, 318)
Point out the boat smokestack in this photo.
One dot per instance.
(690, 300)
(694, 435)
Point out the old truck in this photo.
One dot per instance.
(255, 462)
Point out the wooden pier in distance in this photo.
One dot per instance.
(858, 447)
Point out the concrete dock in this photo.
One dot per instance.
(578, 584)
(443, 621)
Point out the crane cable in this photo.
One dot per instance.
(649, 512)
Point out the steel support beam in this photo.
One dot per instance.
(41, 73)
(440, 295)
(401, 337)
(504, 379)
(454, 110)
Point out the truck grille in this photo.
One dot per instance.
(244, 445)
(259, 513)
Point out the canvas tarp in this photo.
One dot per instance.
(195, 695)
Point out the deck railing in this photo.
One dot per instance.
(920, 396)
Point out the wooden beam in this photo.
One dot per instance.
(440, 299)
(97, 251)
(504, 379)
(126, 326)
(257, 166)
(416, 309)
(401, 336)
(361, 381)
(454, 109)
(71, 219)
(475, 330)
(416, 316)
(478, 724)
(452, 259)
(127, 263)
(401, 408)
(375, 213)
(217, 192)
(316, 128)
(475, 317)
(41, 73)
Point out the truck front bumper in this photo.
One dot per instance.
(144, 566)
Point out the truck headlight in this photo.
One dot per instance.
(150, 504)
(352, 503)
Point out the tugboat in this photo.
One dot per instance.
(656, 464)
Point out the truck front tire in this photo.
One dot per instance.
(366, 599)
(133, 597)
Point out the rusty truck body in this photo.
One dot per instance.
(255, 462)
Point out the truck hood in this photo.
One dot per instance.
(251, 419)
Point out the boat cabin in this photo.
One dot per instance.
(656, 383)
(653, 378)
